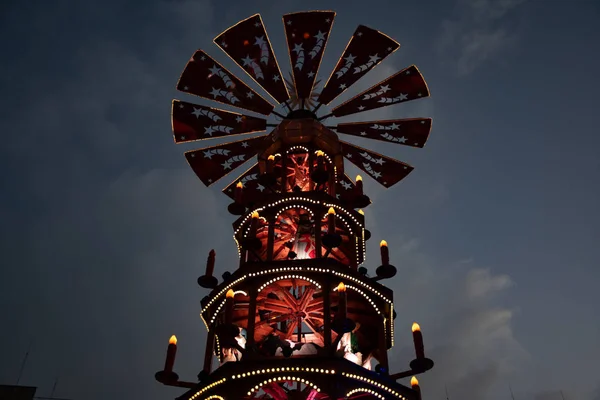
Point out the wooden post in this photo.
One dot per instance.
(383, 356)
(271, 237)
(208, 352)
(317, 229)
(253, 293)
(327, 314)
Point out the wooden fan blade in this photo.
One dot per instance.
(306, 34)
(365, 50)
(248, 45)
(206, 78)
(252, 190)
(385, 170)
(192, 122)
(213, 163)
(345, 189)
(409, 132)
(405, 85)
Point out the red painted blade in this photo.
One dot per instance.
(365, 50)
(405, 85)
(252, 190)
(206, 78)
(192, 122)
(306, 34)
(248, 45)
(385, 170)
(409, 132)
(213, 163)
(345, 189)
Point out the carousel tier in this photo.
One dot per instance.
(287, 298)
(319, 378)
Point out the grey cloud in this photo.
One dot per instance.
(476, 33)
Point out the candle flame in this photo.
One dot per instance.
(358, 178)
(173, 340)
(331, 211)
(254, 214)
(239, 185)
(361, 212)
(341, 287)
(319, 153)
(414, 381)
(271, 157)
(416, 327)
(230, 294)
(383, 243)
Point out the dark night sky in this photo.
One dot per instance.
(104, 228)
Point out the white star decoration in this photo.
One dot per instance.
(214, 70)
(226, 165)
(350, 58)
(394, 126)
(257, 25)
(348, 155)
(289, 23)
(208, 130)
(276, 78)
(180, 105)
(215, 92)
(249, 95)
(360, 108)
(247, 61)
(260, 187)
(328, 20)
(260, 41)
(363, 133)
(202, 58)
(374, 58)
(196, 112)
(359, 34)
(311, 74)
(343, 86)
(320, 36)
(238, 119)
(245, 144)
(346, 185)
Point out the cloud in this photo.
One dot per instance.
(468, 330)
(476, 34)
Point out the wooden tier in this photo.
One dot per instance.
(319, 378)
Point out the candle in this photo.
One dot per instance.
(320, 156)
(414, 383)
(359, 185)
(385, 253)
(238, 192)
(361, 212)
(342, 300)
(253, 224)
(418, 340)
(210, 263)
(229, 306)
(171, 352)
(270, 163)
(331, 221)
